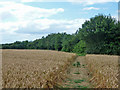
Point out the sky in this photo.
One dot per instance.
(31, 19)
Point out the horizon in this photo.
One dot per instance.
(22, 21)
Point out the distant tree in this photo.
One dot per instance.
(80, 47)
(99, 35)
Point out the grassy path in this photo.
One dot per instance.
(78, 75)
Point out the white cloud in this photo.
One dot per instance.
(116, 17)
(10, 38)
(91, 8)
(42, 26)
(31, 30)
(22, 12)
(21, 22)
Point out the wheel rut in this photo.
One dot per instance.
(78, 75)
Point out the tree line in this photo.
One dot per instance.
(99, 35)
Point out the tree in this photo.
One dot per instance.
(80, 47)
(98, 34)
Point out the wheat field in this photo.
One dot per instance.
(104, 70)
(46, 69)
(34, 68)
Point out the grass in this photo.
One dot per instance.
(82, 87)
(74, 84)
(76, 73)
(78, 81)
(74, 64)
(70, 81)
(83, 65)
(81, 54)
(77, 64)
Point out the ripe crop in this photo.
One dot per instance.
(104, 70)
(34, 68)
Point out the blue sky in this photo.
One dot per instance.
(23, 20)
(73, 11)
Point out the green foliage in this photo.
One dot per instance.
(78, 81)
(0, 46)
(84, 87)
(80, 47)
(81, 54)
(76, 73)
(99, 35)
(74, 64)
(78, 64)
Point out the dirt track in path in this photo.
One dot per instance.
(78, 75)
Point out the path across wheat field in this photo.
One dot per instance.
(78, 75)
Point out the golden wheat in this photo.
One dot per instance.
(104, 69)
(34, 68)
